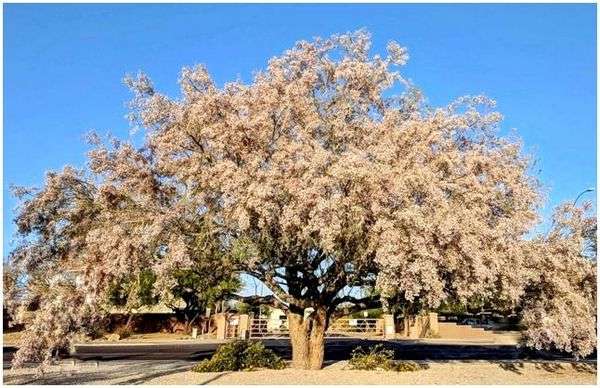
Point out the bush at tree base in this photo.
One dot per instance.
(379, 358)
(240, 355)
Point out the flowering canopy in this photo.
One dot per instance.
(559, 301)
(313, 179)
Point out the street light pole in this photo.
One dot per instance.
(580, 194)
(590, 189)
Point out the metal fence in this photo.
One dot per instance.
(359, 327)
(263, 327)
(345, 327)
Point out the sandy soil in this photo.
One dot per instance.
(432, 373)
(11, 338)
(162, 372)
(155, 337)
(149, 337)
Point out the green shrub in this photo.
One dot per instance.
(124, 331)
(379, 358)
(256, 356)
(371, 313)
(374, 359)
(408, 366)
(240, 355)
(95, 332)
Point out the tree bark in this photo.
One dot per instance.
(307, 336)
(299, 340)
(129, 323)
(406, 323)
(317, 340)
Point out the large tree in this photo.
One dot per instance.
(325, 175)
(321, 177)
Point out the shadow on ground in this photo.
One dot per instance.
(552, 367)
(122, 373)
(139, 372)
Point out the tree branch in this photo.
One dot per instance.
(255, 300)
(368, 302)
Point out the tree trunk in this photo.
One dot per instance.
(129, 323)
(316, 346)
(307, 337)
(190, 322)
(406, 323)
(299, 340)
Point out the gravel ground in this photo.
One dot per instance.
(432, 373)
(177, 372)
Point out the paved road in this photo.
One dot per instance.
(336, 349)
(137, 363)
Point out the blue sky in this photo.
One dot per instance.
(63, 66)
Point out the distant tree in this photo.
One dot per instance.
(199, 291)
(559, 302)
(133, 288)
(196, 287)
(132, 293)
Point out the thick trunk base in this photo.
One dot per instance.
(307, 337)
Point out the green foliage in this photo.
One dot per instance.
(256, 356)
(228, 357)
(200, 288)
(240, 355)
(139, 288)
(209, 279)
(145, 290)
(372, 313)
(257, 310)
(124, 331)
(242, 250)
(243, 308)
(379, 358)
(407, 366)
(452, 307)
(375, 358)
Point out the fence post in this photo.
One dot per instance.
(389, 328)
(221, 323)
(244, 326)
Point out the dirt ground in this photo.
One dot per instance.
(160, 372)
(432, 373)
(150, 337)
(11, 338)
